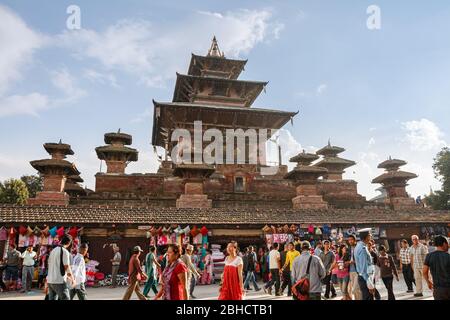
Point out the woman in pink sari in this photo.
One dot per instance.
(208, 271)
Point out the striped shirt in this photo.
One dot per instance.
(419, 253)
(405, 257)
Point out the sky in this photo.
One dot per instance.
(376, 92)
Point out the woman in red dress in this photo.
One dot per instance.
(174, 277)
(232, 283)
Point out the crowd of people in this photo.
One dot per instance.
(295, 269)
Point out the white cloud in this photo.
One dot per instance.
(30, 104)
(321, 89)
(423, 135)
(101, 78)
(17, 44)
(154, 53)
(372, 141)
(64, 81)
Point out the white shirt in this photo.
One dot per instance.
(28, 258)
(274, 257)
(235, 262)
(79, 269)
(54, 275)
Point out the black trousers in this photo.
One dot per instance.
(329, 286)
(366, 295)
(388, 284)
(274, 280)
(408, 275)
(287, 282)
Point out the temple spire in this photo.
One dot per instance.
(214, 51)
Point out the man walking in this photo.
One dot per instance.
(364, 265)
(79, 273)
(59, 271)
(405, 266)
(135, 275)
(438, 263)
(251, 267)
(274, 269)
(418, 253)
(12, 267)
(29, 257)
(115, 265)
(316, 271)
(387, 271)
(353, 285)
(192, 273)
(286, 270)
(327, 257)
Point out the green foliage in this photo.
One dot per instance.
(34, 184)
(13, 191)
(440, 200)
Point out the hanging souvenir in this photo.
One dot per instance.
(73, 231)
(204, 231)
(22, 240)
(205, 239)
(187, 231)
(266, 229)
(173, 238)
(22, 230)
(60, 232)
(269, 239)
(53, 232)
(29, 231)
(148, 234)
(318, 231)
(274, 230)
(195, 231)
(165, 230)
(37, 232)
(178, 230)
(197, 239)
(3, 234)
(311, 229)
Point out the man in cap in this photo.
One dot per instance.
(364, 265)
(135, 275)
(192, 273)
(316, 271)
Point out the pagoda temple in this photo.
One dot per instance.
(394, 181)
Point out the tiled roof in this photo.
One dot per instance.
(253, 216)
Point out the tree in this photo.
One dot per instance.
(440, 200)
(14, 191)
(34, 184)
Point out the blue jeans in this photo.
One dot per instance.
(58, 291)
(250, 277)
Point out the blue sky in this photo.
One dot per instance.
(375, 92)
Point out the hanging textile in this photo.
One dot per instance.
(3, 234)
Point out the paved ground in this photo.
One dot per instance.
(211, 293)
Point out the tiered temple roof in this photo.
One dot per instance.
(335, 164)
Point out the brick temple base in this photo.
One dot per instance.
(309, 202)
(402, 203)
(50, 198)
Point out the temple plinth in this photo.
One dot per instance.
(115, 153)
(73, 188)
(193, 175)
(54, 172)
(305, 178)
(394, 181)
(336, 190)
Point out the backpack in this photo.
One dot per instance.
(301, 288)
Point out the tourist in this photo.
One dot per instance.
(59, 271)
(405, 266)
(353, 286)
(43, 265)
(264, 265)
(318, 249)
(79, 273)
(29, 258)
(274, 268)
(2, 268)
(418, 253)
(316, 271)
(286, 270)
(115, 265)
(438, 263)
(245, 262)
(12, 267)
(387, 271)
(328, 258)
(174, 278)
(251, 267)
(151, 265)
(364, 265)
(376, 269)
(207, 275)
(192, 273)
(232, 287)
(135, 275)
(341, 264)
